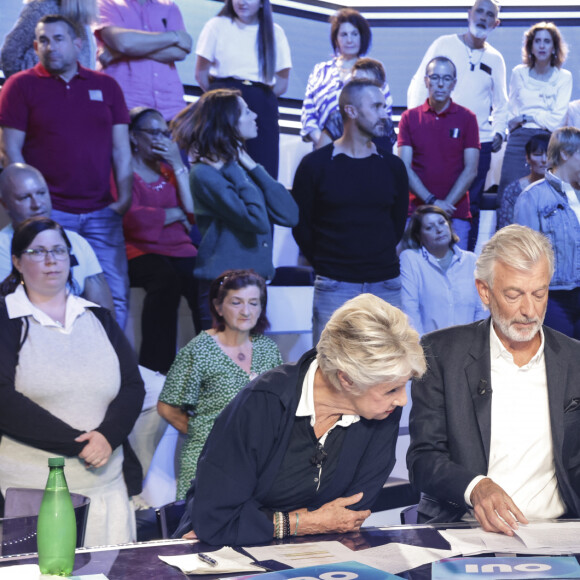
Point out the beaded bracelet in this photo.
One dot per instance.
(296, 528)
(278, 530)
(286, 516)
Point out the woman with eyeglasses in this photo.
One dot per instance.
(69, 383)
(159, 249)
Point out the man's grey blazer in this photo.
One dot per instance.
(450, 422)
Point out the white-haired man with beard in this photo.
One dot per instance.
(495, 422)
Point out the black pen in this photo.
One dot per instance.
(207, 560)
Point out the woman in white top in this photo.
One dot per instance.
(438, 288)
(241, 48)
(540, 91)
(69, 383)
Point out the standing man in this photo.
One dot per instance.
(71, 123)
(24, 194)
(495, 422)
(353, 201)
(439, 144)
(139, 43)
(481, 87)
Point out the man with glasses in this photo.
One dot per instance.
(439, 144)
(24, 194)
(71, 123)
(481, 87)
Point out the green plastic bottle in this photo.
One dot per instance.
(57, 527)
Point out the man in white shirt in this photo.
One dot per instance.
(495, 422)
(24, 194)
(480, 87)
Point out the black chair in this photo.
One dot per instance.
(168, 517)
(21, 519)
(409, 515)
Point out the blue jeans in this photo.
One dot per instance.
(476, 192)
(563, 312)
(330, 294)
(103, 229)
(461, 228)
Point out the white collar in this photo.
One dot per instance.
(19, 306)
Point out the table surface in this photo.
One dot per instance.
(140, 561)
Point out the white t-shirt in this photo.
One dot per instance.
(231, 46)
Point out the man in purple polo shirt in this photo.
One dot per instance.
(139, 43)
(439, 144)
(71, 123)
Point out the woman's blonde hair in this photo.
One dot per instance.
(371, 342)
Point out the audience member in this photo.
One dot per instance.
(70, 383)
(350, 37)
(18, 52)
(216, 365)
(551, 206)
(24, 194)
(437, 276)
(492, 428)
(480, 86)
(161, 255)
(71, 124)
(353, 201)
(236, 200)
(139, 43)
(573, 115)
(306, 448)
(439, 144)
(537, 161)
(540, 91)
(242, 48)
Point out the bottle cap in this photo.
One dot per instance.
(56, 462)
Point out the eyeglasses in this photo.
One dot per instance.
(447, 79)
(155, 132)
(40, 254)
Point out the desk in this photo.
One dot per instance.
(140, 561)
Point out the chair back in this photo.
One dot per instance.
(21, 519)
(169, 516)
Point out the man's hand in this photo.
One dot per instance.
(494, 508)
(497, 143)
(447, 207)
(120, 207)
(184, 40)
(97, 451)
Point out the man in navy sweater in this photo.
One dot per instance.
(353, 200)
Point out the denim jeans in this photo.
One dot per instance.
(461, 228)
(330, 294)
(103, 229)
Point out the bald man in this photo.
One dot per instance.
(24, 194)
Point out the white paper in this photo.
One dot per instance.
(561, 536)
(307, 554)
(228, 561)
(32, 572)
(395, 558)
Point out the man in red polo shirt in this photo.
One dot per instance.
(71, 123)
(439, 144)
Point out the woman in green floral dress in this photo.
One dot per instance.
(217, 364)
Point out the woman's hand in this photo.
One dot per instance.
(518, 121)
(189, 536)
(97, 451)
(332, 517)
(175, 416)
(168, 151)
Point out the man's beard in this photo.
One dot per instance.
(481, 33)
(507, 328)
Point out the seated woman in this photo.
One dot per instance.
(159, 250)
(350, 37)
(215, 366)
(438, 288)
(69, 383)
(236, 200)
(537, 160)
(540, 90)
(306, 448)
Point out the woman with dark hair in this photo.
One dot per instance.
(69, 383)
(236, 200)
(350, 37)
(438, 288)
(241, 48)
(18, 54)
(217, 364)
(537, 161)
(540, 90)
(160, 252)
